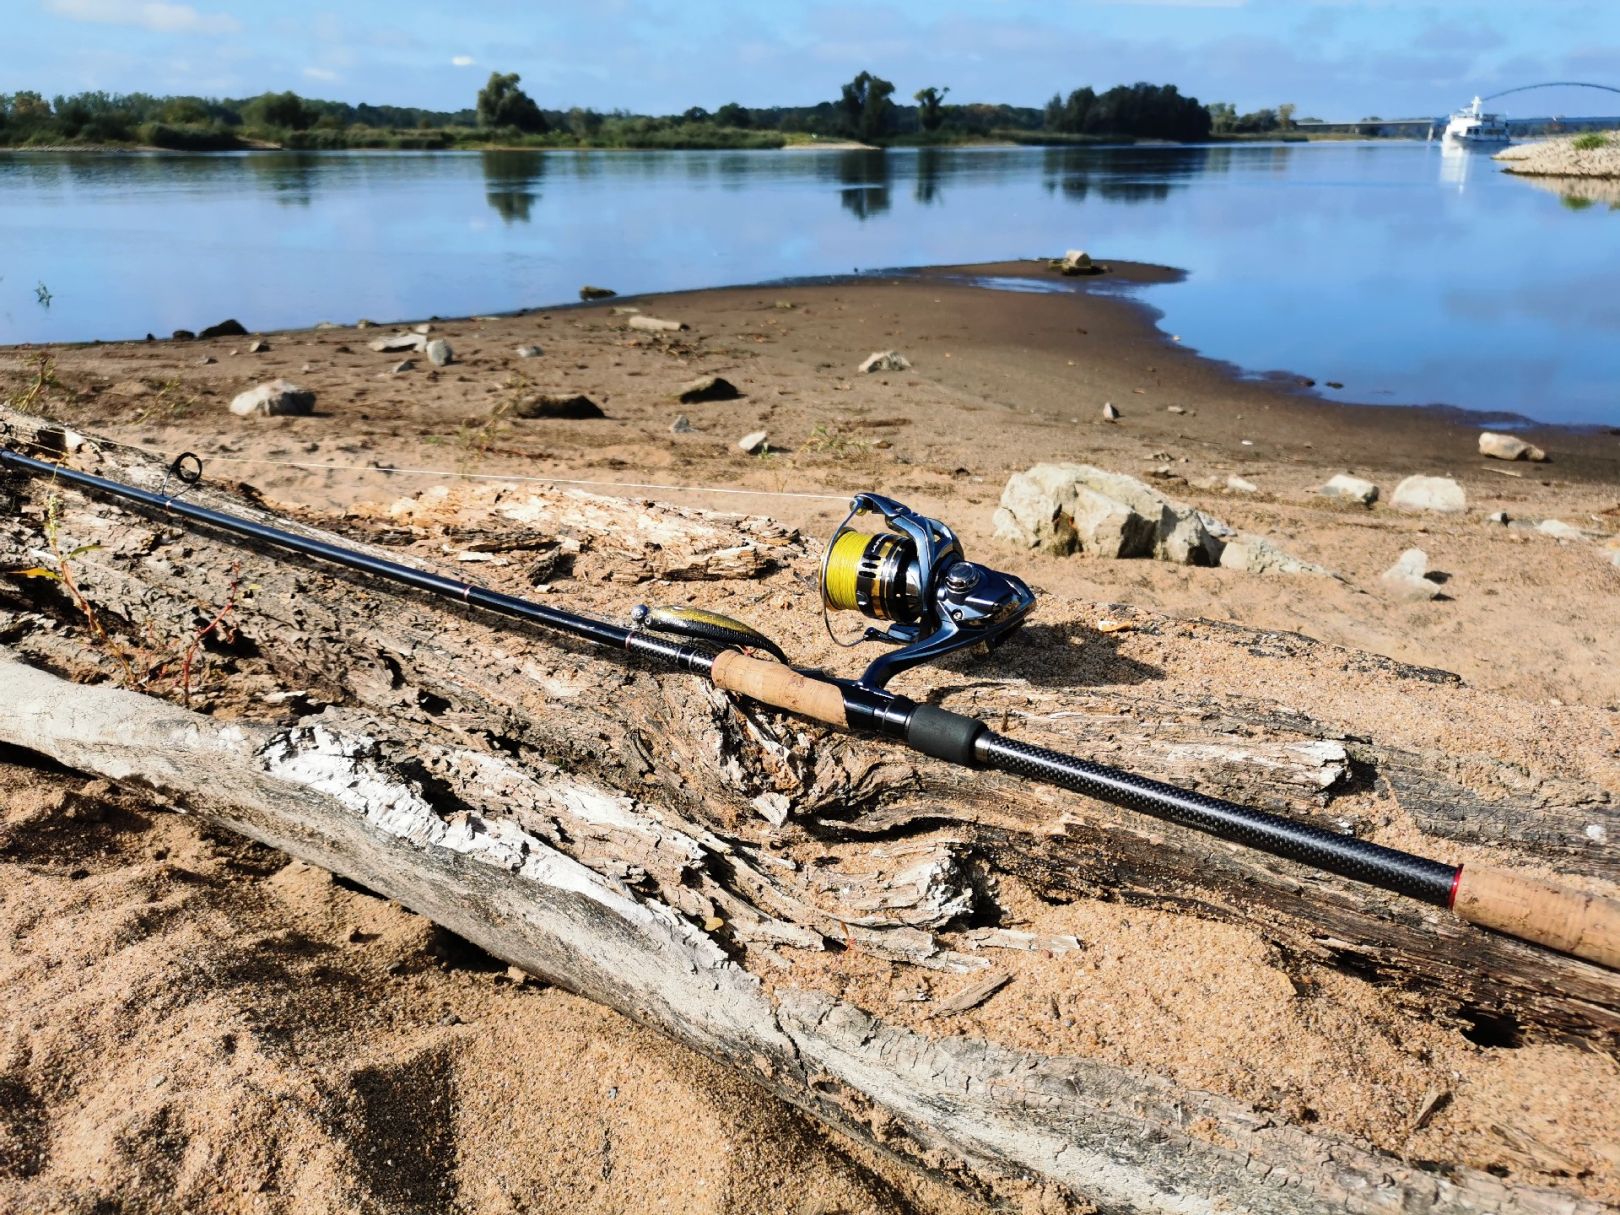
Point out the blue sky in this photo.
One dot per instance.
(1333, 58)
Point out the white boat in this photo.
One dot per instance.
(1471, 126)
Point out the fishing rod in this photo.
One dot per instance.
(913, 578)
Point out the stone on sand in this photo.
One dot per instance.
(885, 360)
(1407, 578)
(529, 352)
(438, 352)
(1508, 447)
(1239, 485)
(396, 343)
(227, 328)
(1256, 555)
(588, 292)
(707, 388)
(682, 425)
(1077, 261)
(652, 324)
(1559, 530)
(401, 367)
(1441, 495)
(258, 346)
(754, 442)
(274, 399)
(1110, 412)
(571, 405)
(1350, 489)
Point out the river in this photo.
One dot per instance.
(1408, 273)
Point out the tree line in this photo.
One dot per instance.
(503, 113)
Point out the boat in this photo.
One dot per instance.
(1471, 126)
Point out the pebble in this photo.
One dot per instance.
(206, 360)
(1559, 530)
(1407, 577)
(707, 388)
(651, 324)
(258, 346)
(885, 360)
(275, 399)
(1439, 494)
(1109, 412)
(438, 352)
(682, 425)
(1240, 486)
(404, 365)
(422, 328)
(753, 443)
(529, 352)
(1175, 409)
(558, 405)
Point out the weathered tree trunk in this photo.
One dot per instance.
(621, 832)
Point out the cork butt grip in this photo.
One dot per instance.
(780, 686)
(1586, 925)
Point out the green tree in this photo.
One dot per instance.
(502, 104)
(285, 110)
(733, 115)
(867, 110)
(1285, 115)
(930, 107)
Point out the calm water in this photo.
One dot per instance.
(1411, 275)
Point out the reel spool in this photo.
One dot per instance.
(915, 577)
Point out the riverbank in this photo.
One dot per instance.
(1593, 155)
(999, 380)
(219, 1023)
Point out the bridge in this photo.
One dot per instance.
(1428, 128)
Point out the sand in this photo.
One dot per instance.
(196, 1016)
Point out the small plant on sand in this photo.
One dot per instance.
(44, 388)
(157, 664)
(1590, 142)
(827, 440)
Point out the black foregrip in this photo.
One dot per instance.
(943, 734)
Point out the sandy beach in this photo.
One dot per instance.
(199, 1017)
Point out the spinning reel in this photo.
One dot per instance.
(915, 577)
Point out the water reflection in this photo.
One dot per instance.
(511, 182)
(290, 176)
(866, 183)
(930, 164)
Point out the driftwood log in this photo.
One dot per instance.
(620, 831)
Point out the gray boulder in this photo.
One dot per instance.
(885, 360)
(1441, 495)
(557, 405)
(438, 352)
(275, 399)
(1350, 489)
(1508, 447)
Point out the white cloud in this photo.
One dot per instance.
(461, 61)
(155, 15)
(320, 73)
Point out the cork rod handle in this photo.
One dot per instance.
(780, 686)
(1586, 925)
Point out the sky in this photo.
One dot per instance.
(1334, 59)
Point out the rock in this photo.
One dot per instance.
(401, 367)
(1508, 447)
(182, 335)
(258, 346)
(1499, 517)
(885, 360)
(707, 388)
(1238, 485)
(422, 328)
(529, 352)
(1407, 577)
(753, 443)
(224, 329)
(589, 292)
(206, 360)
(652, 324)
(275, 399)
(395, 343)
(1256, 555)
(1109, 412)
(1350, 489)
(1439, 494)
(625, 310)
(682, 425)
(438, 352)
(1175, 409)
(363, 323)
(1559, 530)
(326, 324)
(1077, 261)
(557, 405)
